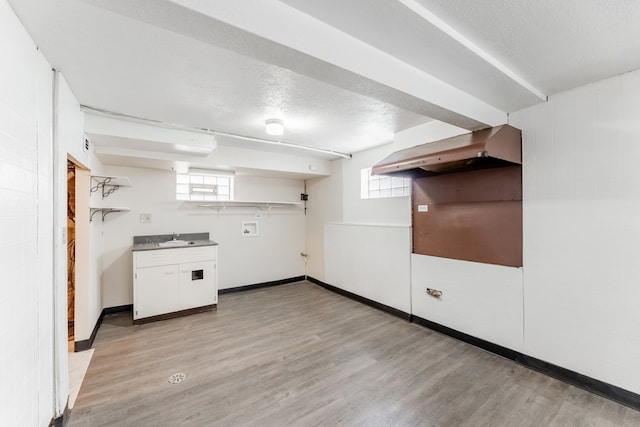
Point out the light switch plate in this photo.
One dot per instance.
(145, 218)
(423, 208)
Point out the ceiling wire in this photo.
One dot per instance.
(166, 125)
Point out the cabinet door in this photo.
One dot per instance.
(198, 284)
(157, 291)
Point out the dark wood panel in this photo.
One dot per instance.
(472, 216)
(489, 232)
(474, 186)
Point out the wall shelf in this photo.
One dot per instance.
(108, 184)
(105, 211)
(263, 205)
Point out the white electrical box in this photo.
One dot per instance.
(250, 228)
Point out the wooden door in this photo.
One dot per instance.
(71, 251)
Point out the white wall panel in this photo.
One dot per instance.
(482, 300)
(324, 205)
(26, 293)
(371, 261)
(67, 142)
(45, 241)
(581, 230)
(389, 211)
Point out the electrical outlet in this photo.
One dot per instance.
(145, 218)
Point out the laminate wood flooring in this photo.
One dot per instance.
(299, 355)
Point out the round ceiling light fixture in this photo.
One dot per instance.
(274, 127)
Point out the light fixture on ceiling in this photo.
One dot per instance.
(274, 127)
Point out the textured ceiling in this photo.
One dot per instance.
(343, 75)
(397, 30)
(555, 45)
(119, 64)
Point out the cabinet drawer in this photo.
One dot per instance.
(159, 257)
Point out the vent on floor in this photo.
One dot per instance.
(176, 378)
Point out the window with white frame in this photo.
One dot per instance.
(378, 186)
(204, 186)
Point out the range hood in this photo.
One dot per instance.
(487, 148)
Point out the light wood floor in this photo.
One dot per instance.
(78, 364)
(300, 355)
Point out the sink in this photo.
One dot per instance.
(172, 243)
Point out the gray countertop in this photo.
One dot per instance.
(150, 243)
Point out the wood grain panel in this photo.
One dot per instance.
(472, 216)
(489, 232)
(484, 185)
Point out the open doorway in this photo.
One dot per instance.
(78, 275)
(71, 253)
(78, 256)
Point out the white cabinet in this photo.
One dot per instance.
(167, 281)
(156, 290)
(195, 286)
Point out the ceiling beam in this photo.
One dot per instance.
(286, 26)
(425, 14)
(275, 33)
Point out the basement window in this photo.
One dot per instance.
(380, 186)
(204, 186)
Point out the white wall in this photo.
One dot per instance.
(68, 143)
(362, 246)
(26, 294)
(94, 287)
(481, 300)
(273, 255)
(386, 211)
(324, 205)
(372, 261)
(581, 229)
(86, 309)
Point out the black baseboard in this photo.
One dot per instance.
(592, 385)
(609, 391)
(261, 285)
(371, 303)
(117, 309)
(485, 345)
(63, 419)
(88, 343)
(175, 314)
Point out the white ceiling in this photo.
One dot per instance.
(342, 75)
